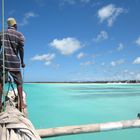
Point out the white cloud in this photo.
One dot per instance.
(138, 41)
(44, 57)
(85, 1)
(56, 66)
(96, 55)
(131, 75)
(137, 76)
(88, 63)
(120, 47)
(48, 63)
(126, 71)
(137, 61)
(71, 2)
(68, 1)
(81, 55)
(113, 63)
(12, 12)
(66, 46)
(40, 2)
(117, 62)
(47, 58)
(109, 13)
(26, 18)
(103, 63)
(101, 36)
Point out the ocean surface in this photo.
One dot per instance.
(56, 105)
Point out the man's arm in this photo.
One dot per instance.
(21, 50)
(21, 54)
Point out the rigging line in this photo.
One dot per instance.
(3, 51)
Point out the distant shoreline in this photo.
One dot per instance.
(90, 82)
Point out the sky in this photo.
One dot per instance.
(78, 40)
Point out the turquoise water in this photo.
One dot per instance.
(55, 105)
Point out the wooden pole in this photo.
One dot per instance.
(89, 128)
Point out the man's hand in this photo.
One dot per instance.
(23, 65)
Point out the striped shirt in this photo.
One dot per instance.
(13, 41)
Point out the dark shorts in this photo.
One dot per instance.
(16, 75)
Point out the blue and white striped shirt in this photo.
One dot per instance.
(13, 42)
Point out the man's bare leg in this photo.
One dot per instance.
(20, 94)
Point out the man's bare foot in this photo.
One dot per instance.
(0, 107)
(21, 106)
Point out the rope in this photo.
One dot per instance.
(10, 85)
(3, 51)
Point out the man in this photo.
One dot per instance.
(14, 58)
